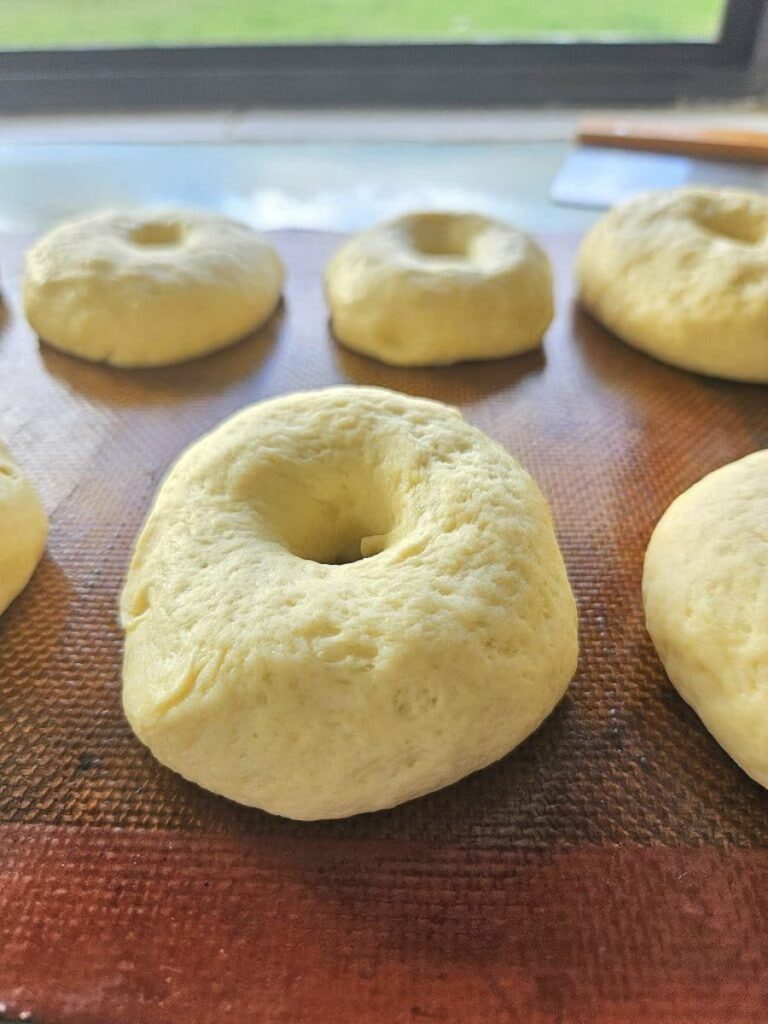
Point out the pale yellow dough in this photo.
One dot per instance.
(23, 529)
(267, 661)
(149, 288)
(683, 275)
(705, 589)
(434, 288)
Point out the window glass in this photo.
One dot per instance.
(54, 23)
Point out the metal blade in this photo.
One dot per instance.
(599, 177)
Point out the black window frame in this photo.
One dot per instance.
(391, 75)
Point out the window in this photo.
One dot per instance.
(76, 54)
(53, 23)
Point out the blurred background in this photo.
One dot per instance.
(329, 114)
(88, 22)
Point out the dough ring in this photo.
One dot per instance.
(705, 590)
(341, 600)
(683, 275)
(138, 288)
(434, 288)
(23, 529)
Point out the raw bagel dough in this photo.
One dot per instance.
(139, 288)
(705, 590)
(23, 529)
(266, 660)
(433, 288)
(683, 275)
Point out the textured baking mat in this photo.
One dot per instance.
(611, 869)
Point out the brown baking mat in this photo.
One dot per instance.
(611, 869)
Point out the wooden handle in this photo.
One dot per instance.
(654, 137)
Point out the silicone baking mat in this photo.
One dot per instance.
(612, 869)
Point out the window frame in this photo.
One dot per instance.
(391, 75)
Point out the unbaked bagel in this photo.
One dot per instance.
(341, 600)
(705, 591)
(23, 529)
(139, 288)
(434, 288)
(683, 275)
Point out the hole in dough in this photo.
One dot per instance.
(157, 232)
(333, 510)
(738, 225)
(441, 236)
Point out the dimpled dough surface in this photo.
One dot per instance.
(683, 275)
(23, 529)
(267, 661)
(149, 288)
(429, 289)
(705, 590)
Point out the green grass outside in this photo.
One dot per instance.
(36, 23)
